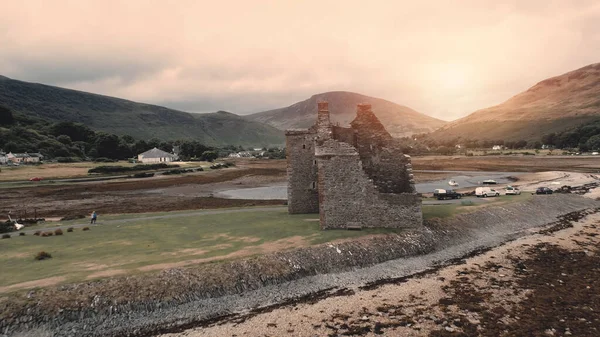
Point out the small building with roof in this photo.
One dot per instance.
(156, 156)
(17, 157)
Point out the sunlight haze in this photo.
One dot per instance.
(442, 58)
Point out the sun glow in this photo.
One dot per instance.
(453, 79)
(449, 79)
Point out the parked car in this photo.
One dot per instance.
(509, 190)
(442, 194)
(543, 190)
(485, 192)
(36, 179)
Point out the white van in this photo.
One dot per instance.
(486, 192)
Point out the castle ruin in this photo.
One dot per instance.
(353, 177)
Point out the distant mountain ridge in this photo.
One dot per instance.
(140, 120)
(399, 120)
(553, 105)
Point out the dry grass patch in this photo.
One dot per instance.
(46, 282)
(107, 273)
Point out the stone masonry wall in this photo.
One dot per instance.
(349, 198)
(301, 171)
(382, 157)
(353, 177)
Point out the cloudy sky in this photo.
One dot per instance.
(442, 58)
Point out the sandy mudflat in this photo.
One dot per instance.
(544, 284)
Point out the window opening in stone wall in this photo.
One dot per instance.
(304, 146)
(314, 185)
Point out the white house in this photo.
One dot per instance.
(3, 158)
(34, 158)
(17, 157)
(498, 147)
(155, 156)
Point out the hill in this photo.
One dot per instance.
(123, 117)
(399, 120)
(554, 105)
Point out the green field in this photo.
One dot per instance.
(135, 243)
(466, 205)
(146, 245)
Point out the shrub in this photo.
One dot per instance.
(104, 160)
(21, 234)
(58, 231)
(217, 166)
(44, 234)
(48, 234)
(177, 171)
(37, 233)
(143, 175)
(70, 229)
(467, 203)
(121, 169)
(6, 236)
(199, 169)
(42, 256)
(85, 229)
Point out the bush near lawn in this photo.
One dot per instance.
(121, 169)
(58, 232)
(221, 165)
(143, 175)
(177, 171)
(6, 236)
(42, 256)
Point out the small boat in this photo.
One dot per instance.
(489, 182)
(452, 183)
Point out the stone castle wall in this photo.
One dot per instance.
(362, 177)
(302, 172)
(348, 198)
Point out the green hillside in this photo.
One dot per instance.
(123, 117)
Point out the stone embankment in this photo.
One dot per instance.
(176, 299)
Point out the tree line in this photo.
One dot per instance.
(69, 141)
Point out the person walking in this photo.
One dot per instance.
(94, 217)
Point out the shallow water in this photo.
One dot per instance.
(463, 178)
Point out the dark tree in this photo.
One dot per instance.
(6, 116)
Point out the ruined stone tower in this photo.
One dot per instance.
(353, 177)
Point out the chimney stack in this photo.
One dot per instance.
(363, 108)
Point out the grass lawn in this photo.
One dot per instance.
(138, 243)
(448, 210)
(145, 245)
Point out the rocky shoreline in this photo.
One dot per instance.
(177, 299)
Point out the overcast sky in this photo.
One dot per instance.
(443, 58)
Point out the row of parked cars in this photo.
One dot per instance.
(484, 192)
